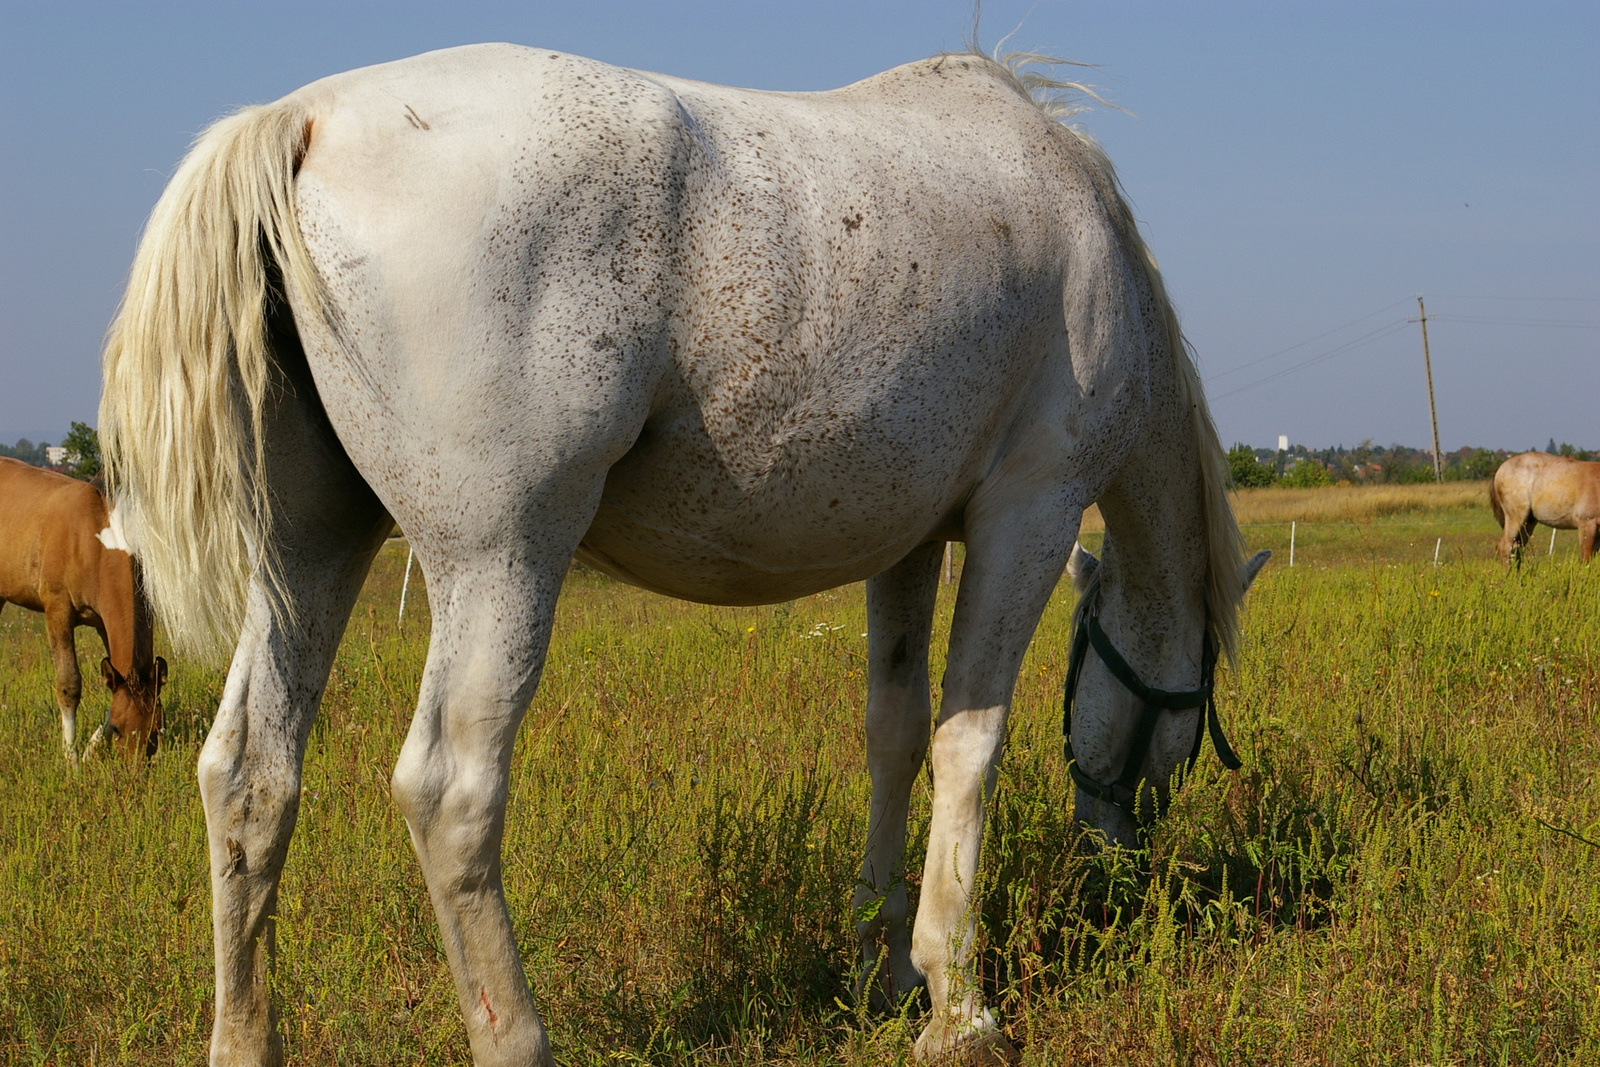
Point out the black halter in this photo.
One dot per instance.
(1124, 792)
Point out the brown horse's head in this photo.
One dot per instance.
(136, 705)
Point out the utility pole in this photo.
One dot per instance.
(1433, 414)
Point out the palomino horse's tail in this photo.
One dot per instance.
(188, 366)
(1494, 501)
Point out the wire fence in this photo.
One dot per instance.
(1463, 535)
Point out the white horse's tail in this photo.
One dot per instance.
(188, 367)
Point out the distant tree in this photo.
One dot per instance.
(1307, 474)
(1551, 447)
(83, 451)
(1480, 465)
(26, 451)
(1243, 469)
(1411, 473)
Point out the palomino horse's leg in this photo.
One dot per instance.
(1523, 535)
(900, 605)
(1588, 535)
(69, 681)
(491, 628)
(1508, 539)
(249, 774)
(1014, 559)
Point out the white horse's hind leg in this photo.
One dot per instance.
(491, 628)
(249, 773)
(1015, 557)
(900, 605)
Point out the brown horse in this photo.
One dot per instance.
(1537, 487)
(63, 553)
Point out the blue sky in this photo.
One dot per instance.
(1302, 171)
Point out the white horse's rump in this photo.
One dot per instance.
(727, 345)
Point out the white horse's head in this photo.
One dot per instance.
(1140, 700)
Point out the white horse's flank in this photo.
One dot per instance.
(727, 345)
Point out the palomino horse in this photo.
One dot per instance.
(63, 553)
(726, 345)
(1535, 487)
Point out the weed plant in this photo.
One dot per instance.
(1406, 871)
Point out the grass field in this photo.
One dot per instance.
(1406, 871)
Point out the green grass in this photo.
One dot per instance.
(1406, 871)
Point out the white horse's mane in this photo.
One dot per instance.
(1062, 99)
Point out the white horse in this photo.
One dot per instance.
(727, 345)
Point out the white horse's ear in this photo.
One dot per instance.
(1252, 567)
(1081, 566)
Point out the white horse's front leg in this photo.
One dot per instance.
(900, 604)
(249, 774)
(1013, 564)
(491, 629)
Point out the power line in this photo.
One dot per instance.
(1393, 327)
(1564, 324)
(1381, 332)
(1307, 341)
(1530, 299)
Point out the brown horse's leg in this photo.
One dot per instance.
(1588, 535)
(69, 682)
(102, 733)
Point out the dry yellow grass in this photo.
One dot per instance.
(1349, 503)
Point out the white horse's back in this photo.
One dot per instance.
(812, 322)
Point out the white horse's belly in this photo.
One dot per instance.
(670, 563)
(670, 524)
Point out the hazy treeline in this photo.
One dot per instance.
(25, 450)
(1369, 464)
(83, 452)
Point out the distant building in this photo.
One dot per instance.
(56, 455)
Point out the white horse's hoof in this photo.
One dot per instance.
(974, 1043)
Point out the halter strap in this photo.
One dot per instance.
(1124, 792)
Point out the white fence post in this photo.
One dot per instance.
(1552, 542)
(1292, 527)
(404, 586)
